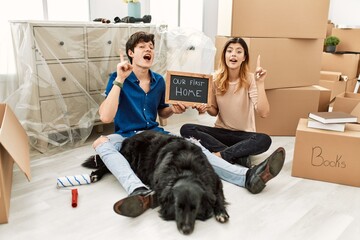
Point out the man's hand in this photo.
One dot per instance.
(123, 69)
(178, 108)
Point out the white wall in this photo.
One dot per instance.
(110, 9)
(210, 19)
(224, 17)
(217, 13)
(345, 12)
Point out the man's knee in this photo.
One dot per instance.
(186, 130)
(99, 141)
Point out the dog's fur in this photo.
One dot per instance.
(186, 185)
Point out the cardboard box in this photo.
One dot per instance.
(280, 18)
(14, 147)
(327, 155)
(356, 112)
(346, 102)
(347, 64)
(336, 87)
(349, 39)
(289, 62)
(287, 105)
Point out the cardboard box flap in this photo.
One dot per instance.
(346, 102)
(356, 112)
(332, 76)
(15, 140)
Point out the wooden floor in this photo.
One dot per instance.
(288, 208)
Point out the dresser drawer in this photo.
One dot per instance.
(106, 42)
(67, 77)
(99, 73)
(59, 42)
(62, 113)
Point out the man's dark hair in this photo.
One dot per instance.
(137, 38)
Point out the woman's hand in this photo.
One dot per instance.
(201, 108)
(260, 73)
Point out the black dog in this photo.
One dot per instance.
(185, 183)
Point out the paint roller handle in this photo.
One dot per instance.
(74, 193)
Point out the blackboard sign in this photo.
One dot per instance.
(188, 88)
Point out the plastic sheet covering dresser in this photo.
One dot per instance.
(63, 69)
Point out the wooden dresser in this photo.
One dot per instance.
(63, 69)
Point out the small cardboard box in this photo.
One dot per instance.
(330, 76)
(289, 62)
(327, 155)
(346, 102)
(280, 18)
(349, 39)
(347, 64)
(14, 147)
(336, 87)
(287, 105)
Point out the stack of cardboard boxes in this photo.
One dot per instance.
(345, 64)
(289, 36)
(345, 60)
(326, 155)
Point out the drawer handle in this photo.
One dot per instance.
(63, 79)
(62, 43)
(109, 42)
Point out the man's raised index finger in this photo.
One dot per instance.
(121, 56)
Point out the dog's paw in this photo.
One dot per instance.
(222, 217)
(94, 177)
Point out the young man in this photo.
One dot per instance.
(135, 95)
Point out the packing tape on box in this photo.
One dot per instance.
(70, 181)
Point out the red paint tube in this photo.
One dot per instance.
(74, 193)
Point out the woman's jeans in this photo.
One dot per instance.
(120, 167)
(232, 145)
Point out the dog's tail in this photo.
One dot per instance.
(93, 162)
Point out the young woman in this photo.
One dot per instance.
(237, 96)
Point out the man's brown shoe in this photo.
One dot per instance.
(136, 203)
(259, 175)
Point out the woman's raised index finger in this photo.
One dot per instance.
(258, 62)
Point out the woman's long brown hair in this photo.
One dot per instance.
(222, 74)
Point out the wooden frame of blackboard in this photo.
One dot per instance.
(190, 86)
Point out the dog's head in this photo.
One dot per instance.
(189, 204)
(187, 201)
